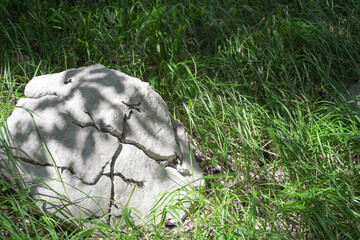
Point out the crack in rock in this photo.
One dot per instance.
(63, 168)
(148, 153)
(139, 146)
(132, 106)
(33, 162)
(111, 175)
(80, 124)
(67, 81)
(127, 116)
(118, 135)
(50, 94)
(129, 181)
(110, 130)
(178, 165)
(97, 178)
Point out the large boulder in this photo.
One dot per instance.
(91, 141)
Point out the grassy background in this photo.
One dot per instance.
(260, 86)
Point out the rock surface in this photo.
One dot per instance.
(354, 91)
(92, 140)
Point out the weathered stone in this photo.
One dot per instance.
(90, 138)
(354, 91)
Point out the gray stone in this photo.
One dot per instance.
(354, 91)
(93, 140)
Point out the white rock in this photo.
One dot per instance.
(110, 137)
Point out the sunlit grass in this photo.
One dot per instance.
(260, 86)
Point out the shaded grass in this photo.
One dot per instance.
(260, 85)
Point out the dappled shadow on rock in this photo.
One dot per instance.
(88, 139)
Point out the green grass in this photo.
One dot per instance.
(260, 86)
